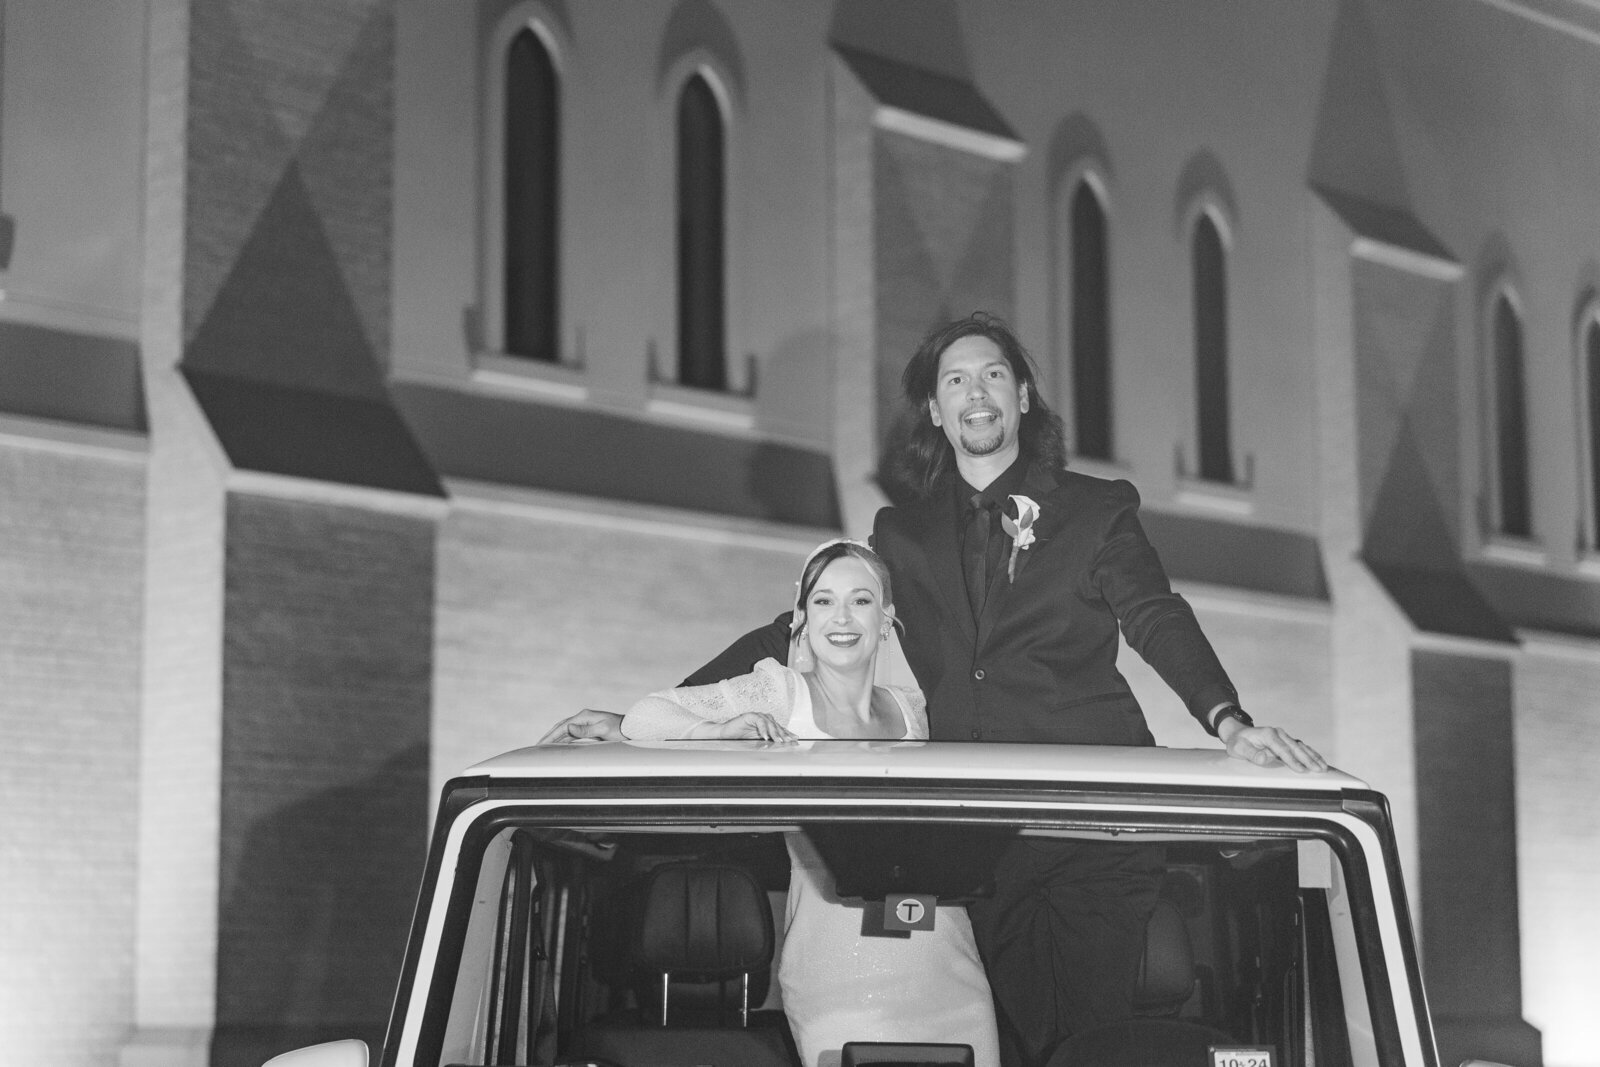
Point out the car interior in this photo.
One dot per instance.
(633, 945)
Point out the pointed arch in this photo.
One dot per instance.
(1207, 217)
(1588, 394)
(1078, 177)
(1507, 432)
(700, 79)
(527, 52)
(532, 177)
(1089, 322)
(1209, 295)
(701, 235)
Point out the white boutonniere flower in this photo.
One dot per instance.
(1020, 529)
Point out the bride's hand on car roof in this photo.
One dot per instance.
(586, 726)
(755, 725)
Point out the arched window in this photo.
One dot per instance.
(1211, 352)
(1591, 402)
(532, 199)
(1510, 430)
(702, 331)
(1091, 326)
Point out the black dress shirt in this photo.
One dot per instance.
(983, 541)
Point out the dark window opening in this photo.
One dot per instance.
(1591, 347)
(1091, 326)
(532, 269)
(702, 356)
(1211, 353)
(1510, 424)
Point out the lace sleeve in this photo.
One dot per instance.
(915, 706)
(674, 713)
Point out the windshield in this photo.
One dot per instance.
(842, 938)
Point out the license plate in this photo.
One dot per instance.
(1241, 1056)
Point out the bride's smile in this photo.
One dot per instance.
(845, 613)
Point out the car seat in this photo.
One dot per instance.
(1155, 1034)
(699, 925)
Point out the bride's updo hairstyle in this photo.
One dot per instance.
(818, 562)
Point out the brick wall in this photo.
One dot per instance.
(71, 569)
(327, 646)
(1557, 738)
(542, 611)
(1467, 890)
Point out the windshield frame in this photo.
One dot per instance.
(1353, 824)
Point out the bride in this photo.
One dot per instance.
(837, 984)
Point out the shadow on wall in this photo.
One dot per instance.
(789, 485)
(315, 915)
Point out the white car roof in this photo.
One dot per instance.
(1113, 766)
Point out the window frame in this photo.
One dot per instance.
(1586, 369)
(1509, 545)
(8, 225)
(1210, 217)
(665, 375)
(539, 215)
(1232, 500)
(731, 409)
(1353, 833)
(687, 205)
(489, 347)
(1089, 179)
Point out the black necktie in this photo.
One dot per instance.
(975, 552)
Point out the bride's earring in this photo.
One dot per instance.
(801, 658)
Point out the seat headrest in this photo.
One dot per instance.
(705, 919)
(1166, 971)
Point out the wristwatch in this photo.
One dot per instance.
(1231, 711)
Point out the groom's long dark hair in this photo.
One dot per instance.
(926, 454)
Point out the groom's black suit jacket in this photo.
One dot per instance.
(1039, 663)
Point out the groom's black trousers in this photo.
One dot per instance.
(1062, 936)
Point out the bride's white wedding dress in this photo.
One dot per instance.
(837, 985)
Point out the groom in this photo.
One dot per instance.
(1012, 633)
(1013, 577)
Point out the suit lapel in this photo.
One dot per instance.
(1043, 489)
(1051, 497)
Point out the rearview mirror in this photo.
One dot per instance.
(952, 862)
(346, 1053)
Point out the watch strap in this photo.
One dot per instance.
(1230, 711)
